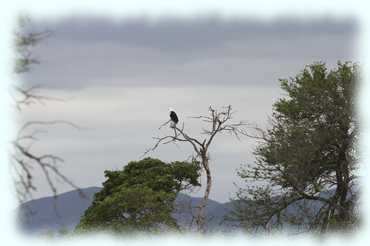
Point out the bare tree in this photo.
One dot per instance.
(25, 161)
(217, 122)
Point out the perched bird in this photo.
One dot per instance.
(173, 117)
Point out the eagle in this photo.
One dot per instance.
(174, 120)
(173, 117)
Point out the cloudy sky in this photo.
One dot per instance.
(119, 78)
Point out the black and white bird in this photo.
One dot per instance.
(174, 120)
(173, 117)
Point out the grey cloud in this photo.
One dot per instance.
(187, 35)
(122, 77)
(85, 53)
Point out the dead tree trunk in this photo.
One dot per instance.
(201, 216)
(218, 122)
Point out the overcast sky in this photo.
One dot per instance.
(120, 79)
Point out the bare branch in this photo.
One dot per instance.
(24, 160)
(216, 122)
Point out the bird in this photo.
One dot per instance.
(174, 120)
(173, 117)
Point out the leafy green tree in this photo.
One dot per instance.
(140, 197)
(305, 163)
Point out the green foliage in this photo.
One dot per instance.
(308, 151)
(140, 197)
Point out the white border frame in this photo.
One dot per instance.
(153, 10)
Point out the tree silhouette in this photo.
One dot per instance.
(140, 197)
(307, 157)
(217, 122)
(25, 160)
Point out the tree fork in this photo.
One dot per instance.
(218, 121)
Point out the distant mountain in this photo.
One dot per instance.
(50, 214)
(215, 214)
(64, 213)
(53, 214)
